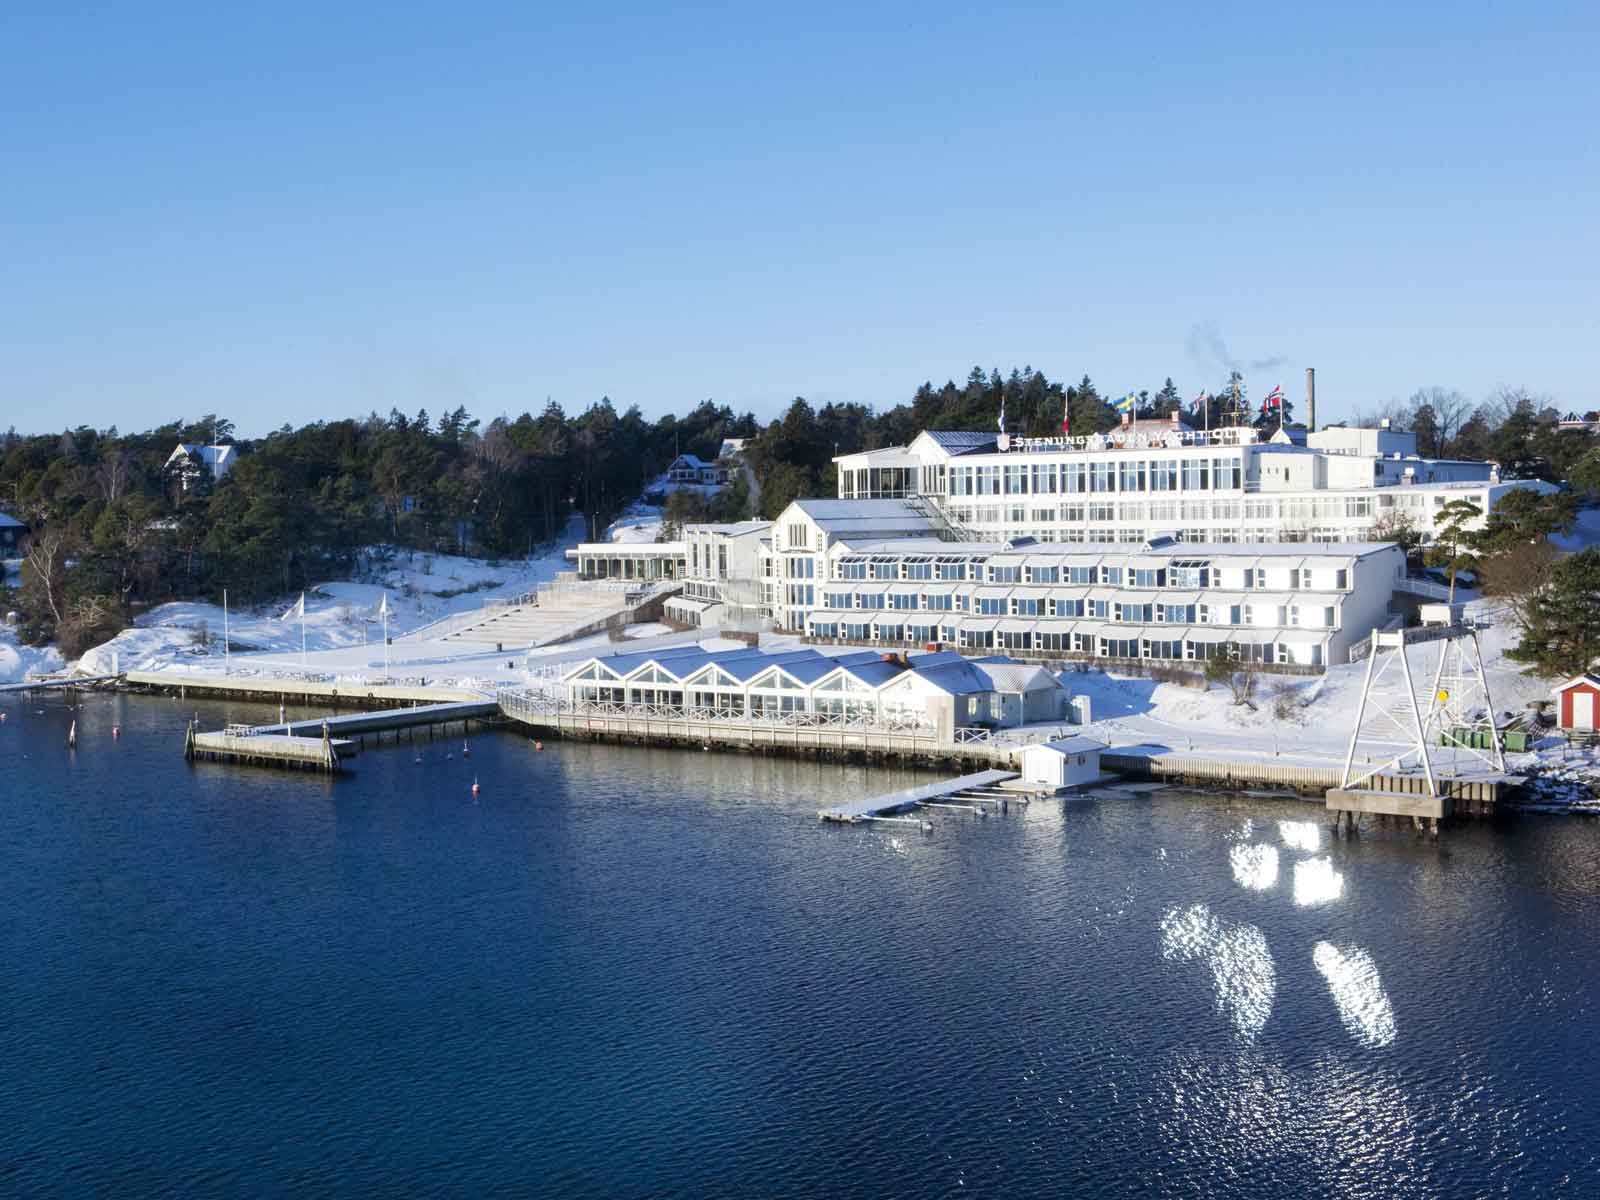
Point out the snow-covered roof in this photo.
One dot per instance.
(1006, 675)
(1067, 746)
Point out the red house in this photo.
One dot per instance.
(1579, 701)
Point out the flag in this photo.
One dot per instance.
(1200, 402)
(1274, 398)
(1002, 414)
(1126, 404)
(383, 605)
(1066, 417)
(298, 610)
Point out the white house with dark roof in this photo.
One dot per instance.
(189, 460)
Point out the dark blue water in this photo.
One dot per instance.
(641, 973)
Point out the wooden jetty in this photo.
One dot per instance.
(886, 807)
(237, 745)
(311, 744)
(429, 716)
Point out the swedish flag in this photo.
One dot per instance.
(1126, 404)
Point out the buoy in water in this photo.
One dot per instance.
(72, 734)
(474, 785)
(116, 732)
(418, 760)
(538, 745)
(466, 750)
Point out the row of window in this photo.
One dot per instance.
(1190, 575)
(1193, 474)
(1166, 612)
(1039, 643)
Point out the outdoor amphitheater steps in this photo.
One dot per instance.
(553, 620)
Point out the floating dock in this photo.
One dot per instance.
(237, 745)
(880, 808)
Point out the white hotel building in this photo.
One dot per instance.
(1161, 478)
(1153, 542)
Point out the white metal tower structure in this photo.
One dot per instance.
(1398, 730)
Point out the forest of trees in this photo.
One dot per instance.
(111, 531)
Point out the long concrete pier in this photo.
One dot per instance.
(41, 685)
(385, 720)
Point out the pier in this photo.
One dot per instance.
(311, 744)
(977, 788)
(59, 683)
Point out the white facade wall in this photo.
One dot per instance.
(1208, 489)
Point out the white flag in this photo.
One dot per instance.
(1002, 414)
(298, 610)
(383, 605)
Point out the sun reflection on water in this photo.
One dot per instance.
(1357, 992)
(1316, 882)
(1243, 975)
(1301, 835)
(1254, 867)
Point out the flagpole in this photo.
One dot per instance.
(227, 660)
(385, 611)
(302, 629)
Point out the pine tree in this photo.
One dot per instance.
(1452, 546)
(1562, 635)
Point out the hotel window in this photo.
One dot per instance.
(1005, 574)
(1041, 516)
(1072, 513)
(1044, 478)
(852, 568)
(902, 601)
(870, 599)
(1016, 479)
(1196, 475)
(1102, 477)
(797, 535)
(1111, 575)
(1341, 580)
(1017, 514)
(1066, 608)
(1044, 574)
(886, 568)
(1102, 512)
(988, 481)
(961, 481)
(1131, 476)
(1164, 510)
(938, 603)
(1100, 609)
(1024, 607)
(919, 568)
(1164, 475)
(1075, 477)
(951, 569)
(1080, 575)
(1149, 577)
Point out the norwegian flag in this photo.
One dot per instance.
(1199, 402)
(1066, 417)
(1274, 398)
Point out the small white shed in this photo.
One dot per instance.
(1065, 762)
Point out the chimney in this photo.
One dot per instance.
(1127, 419)
(1311, 399)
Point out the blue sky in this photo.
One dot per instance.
(292, 212)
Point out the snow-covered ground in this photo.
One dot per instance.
(17, 661)
(341, 617)
(641, 523)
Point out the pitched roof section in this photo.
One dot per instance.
(9, 522)
(962, 441)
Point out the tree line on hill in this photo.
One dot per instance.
(113, 528)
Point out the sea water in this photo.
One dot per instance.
(629, 972)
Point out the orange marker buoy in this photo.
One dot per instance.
(538, 745)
